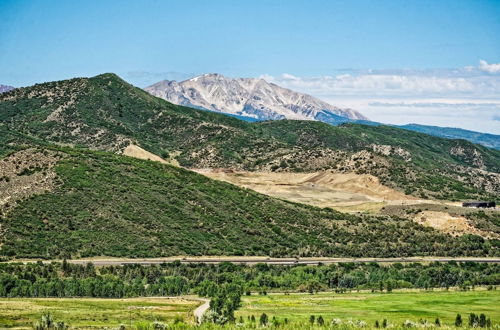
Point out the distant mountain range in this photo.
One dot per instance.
(488, 140)
(5, 88)
(253, 99)
(249, 97)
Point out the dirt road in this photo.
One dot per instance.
(266, 260)
(201, 310)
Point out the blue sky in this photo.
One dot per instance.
(351, 53)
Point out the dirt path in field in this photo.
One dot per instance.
(201, 310)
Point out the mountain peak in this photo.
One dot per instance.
(5, 88)
(251, 97)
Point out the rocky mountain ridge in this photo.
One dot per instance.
(251, 97)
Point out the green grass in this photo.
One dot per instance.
(395, 307)
(93, 312)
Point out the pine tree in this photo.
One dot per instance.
(263, 319)
(321, 321)
(312, 319)
(482, 320)
(458, 320)
(472, 320)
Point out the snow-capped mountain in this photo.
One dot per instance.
(249, 97)
(5, 88)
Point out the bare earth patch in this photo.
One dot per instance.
(454, 225)
(342, 191)
(137, 152)
(25, 173)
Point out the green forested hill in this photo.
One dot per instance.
(81, 198)
(103, 204)
(106, 113)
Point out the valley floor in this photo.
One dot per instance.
(396, 307)
(345, 309)
(96, 312)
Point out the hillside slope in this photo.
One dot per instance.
(82, 203)
(106, 113)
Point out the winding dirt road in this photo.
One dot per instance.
(201, 310)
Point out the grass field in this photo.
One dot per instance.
(93, 312)
(396, 307)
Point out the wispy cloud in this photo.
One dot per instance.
(460, 105)
(466, 82)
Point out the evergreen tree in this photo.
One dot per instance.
(482, 320)
(472, 320)
(321, 321)
(458, 320)
(263, 319)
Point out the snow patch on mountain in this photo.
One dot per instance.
(250, 97)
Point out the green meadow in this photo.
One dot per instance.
(94, 312)
(396, 307)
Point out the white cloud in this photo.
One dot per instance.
(466, 97)
(289, 76)
(422, 83)
(456, 105)
(490, 68)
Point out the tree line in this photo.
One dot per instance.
(63, 279)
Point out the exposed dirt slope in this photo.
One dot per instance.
(454, 225)
(25, 173)
(358, 192)
(135, 151)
